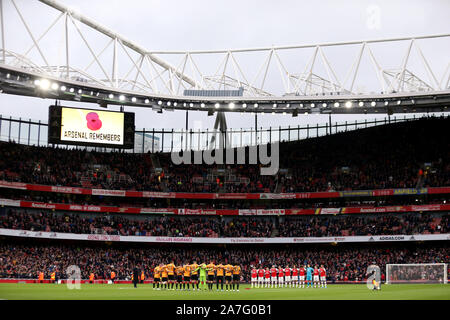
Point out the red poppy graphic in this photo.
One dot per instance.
(93, 121)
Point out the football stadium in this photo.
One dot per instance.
(310, 171)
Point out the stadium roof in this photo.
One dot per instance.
(157, 79)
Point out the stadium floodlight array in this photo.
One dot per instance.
(157, 79)
(19, 82)
(416, 273)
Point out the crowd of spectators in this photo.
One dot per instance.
(402, 155)
(348, 263)
(213, 204)
(363, 225)
(214, 226)
(147, 226)
(405, 155)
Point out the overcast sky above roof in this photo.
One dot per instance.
(205, 24)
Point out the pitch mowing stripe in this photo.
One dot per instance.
(146, 292)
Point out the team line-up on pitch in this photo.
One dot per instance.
(171, 277)
(204, 276)
(289, 277)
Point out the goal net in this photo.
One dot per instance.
(416, 273)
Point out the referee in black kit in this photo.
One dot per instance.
(135, 276)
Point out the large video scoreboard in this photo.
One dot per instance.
(87, 127)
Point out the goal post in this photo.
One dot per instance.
(416, 273)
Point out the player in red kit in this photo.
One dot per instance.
(294, 279)
(254, 276)
(302, 274)
(323, 276)
(260, 277)
(267, 276)
(287, 277)
(280, 277)
(316, 277)
(273, 277)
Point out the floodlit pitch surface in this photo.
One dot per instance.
(127, 292)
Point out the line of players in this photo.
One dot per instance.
(289, 277)
(172, 277)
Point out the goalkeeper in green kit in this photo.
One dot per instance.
(202, 278)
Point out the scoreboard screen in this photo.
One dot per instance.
(88, 127)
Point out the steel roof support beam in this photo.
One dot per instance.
(30, 34)
(95, 25)
(2, 26)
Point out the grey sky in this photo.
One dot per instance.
(203, 24)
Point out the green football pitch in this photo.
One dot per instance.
(145, 291)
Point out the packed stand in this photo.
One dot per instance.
(345, 263)
(213, 226)
(402, 155)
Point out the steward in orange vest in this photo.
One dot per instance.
(41, 277)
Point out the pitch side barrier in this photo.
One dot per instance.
(197, 240)
(223, 212)
(231, 196)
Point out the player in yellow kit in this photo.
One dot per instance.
(187, 276)
(219, 276)
(194, 275)
(210, 268)
(236, 277)
(156, 277)
(171, 275)
(179, 270)
(164, 277)
(228, 275)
